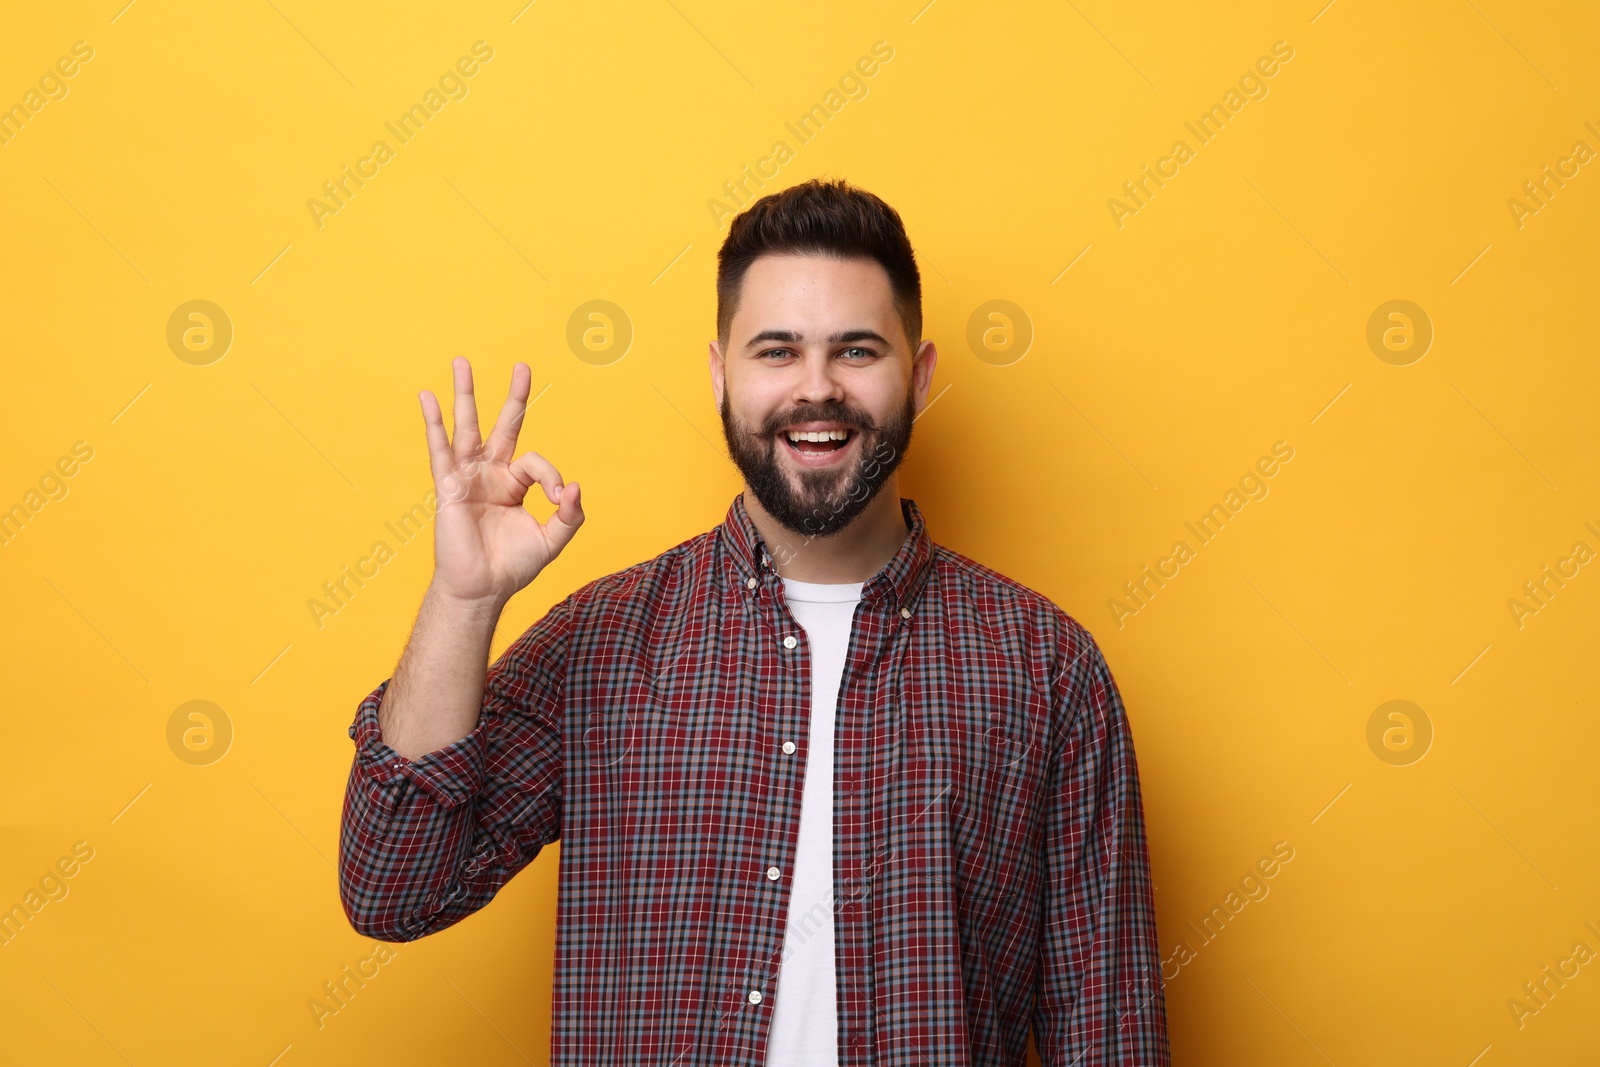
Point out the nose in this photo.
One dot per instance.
(819, 380)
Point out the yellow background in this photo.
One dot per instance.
(1228, 313)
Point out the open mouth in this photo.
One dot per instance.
(817, 445)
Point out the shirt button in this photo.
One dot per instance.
(788, 748)
(772, 874)
(750, 583)
(352, 730)
(754, 997)
(905, 613)
(789, 642)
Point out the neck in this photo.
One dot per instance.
(853, 554)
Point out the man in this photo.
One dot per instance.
(827, 792)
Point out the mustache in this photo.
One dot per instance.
(850, 419)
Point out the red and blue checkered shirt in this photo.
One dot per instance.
(990, 864)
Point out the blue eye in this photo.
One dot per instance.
(866, 353)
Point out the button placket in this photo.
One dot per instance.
(780, 671)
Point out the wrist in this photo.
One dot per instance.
(471, 610)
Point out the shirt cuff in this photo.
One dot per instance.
(452, 775)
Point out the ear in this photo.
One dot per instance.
(922, 371)
(718, 372)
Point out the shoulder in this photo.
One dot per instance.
(1003, 604)
(645, 586)
(1025, 627)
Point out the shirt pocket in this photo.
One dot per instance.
(939, 833)
(976, 829)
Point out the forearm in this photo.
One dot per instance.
(426, 841)
(436, 695)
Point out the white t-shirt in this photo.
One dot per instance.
(804, 1031)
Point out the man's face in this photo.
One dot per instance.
(816, 346)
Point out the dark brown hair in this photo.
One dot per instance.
(821, 218)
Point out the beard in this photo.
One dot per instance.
(818, 502)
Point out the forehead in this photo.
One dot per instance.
(820, 292)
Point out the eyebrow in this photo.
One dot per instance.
(844, 336)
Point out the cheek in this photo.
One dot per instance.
(884, 407)
(753, 414)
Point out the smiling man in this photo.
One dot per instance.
(827, 792)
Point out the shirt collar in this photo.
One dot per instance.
(901, 579)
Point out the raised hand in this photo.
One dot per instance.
(486, 545)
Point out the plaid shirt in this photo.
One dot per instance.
(990, 863)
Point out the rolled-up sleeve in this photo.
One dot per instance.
(1100, 1001)
(424, 843)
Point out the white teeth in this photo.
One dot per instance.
(819, 435)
